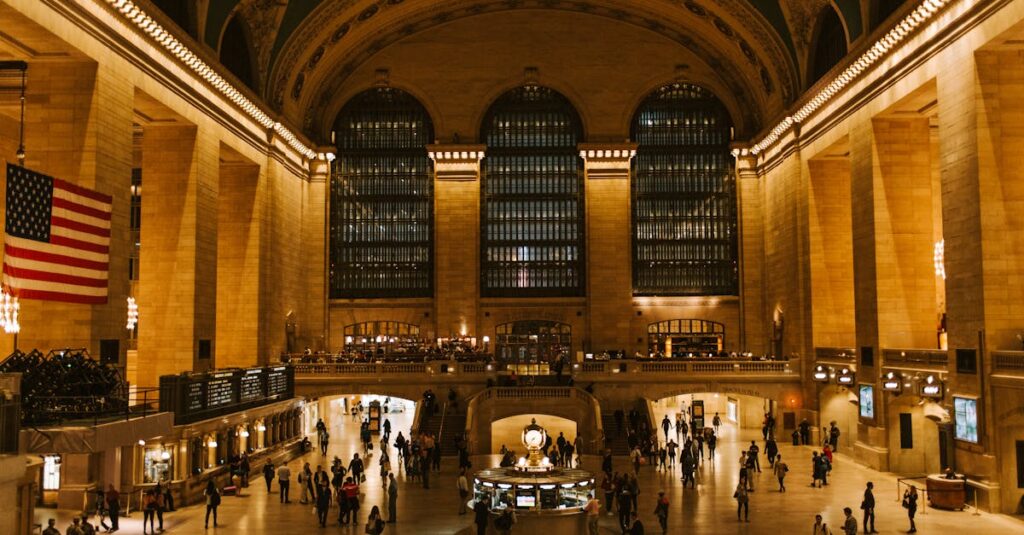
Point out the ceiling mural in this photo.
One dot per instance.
(306, 49)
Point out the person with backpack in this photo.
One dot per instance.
(212, 502)
(505, 521)
(780, 470)
(742, 502)
(820, 527)
(850, 524)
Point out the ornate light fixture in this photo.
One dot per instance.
(940, 259)
(9, 309)
(133, 314)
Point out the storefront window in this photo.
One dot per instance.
(156, 464)
(51, 472)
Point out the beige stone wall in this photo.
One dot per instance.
(831, 252)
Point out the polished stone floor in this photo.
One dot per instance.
(709, 509)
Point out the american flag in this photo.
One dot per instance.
(56, 239)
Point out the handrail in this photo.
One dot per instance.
(68, 408)
(1008, 361)
(929, 357)
(440, 429)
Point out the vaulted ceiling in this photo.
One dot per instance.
(304, 51)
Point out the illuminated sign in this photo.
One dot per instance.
(867, 401)
(932, 388)
(821, 374)
(892, 382)
(846, 377)
(965, 418)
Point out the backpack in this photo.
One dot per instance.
(215, 498)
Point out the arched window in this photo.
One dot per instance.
(684, 195)
(830, 45)
(381, 216)
(532, 196)
(235, 52)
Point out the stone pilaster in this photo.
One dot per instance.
(457, 238)
(240, 243)
(177, 288)
(750, 201)
(609, 243)
(315, 246)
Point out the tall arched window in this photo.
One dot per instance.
(235, 52)
(684, 195)
(381, 217)
(884, 8)
(532, 194)
(830, 45)
(178, 11)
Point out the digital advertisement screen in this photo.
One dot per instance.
(867, 401)
(965, 416)
(526, 501)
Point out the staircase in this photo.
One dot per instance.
(452, 425)
(616, 440)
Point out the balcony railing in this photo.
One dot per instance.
(915, 358)
(1009, 362)
(584, 370)
(835, 355)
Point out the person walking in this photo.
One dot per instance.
(742, 502)
(343, 510)
(74, 528)
(868, 506)
(771, 450)
(51, 527)
(325, 439)
(625, 502)
(780, 470)
(753, 458)
(284, 475)
(636, 527)
(101, 509)
(481, 516)
(666, 425)
(86, 527)
(593, 510)
(717, 423)
(910, 504)
(304, 478)
(661, 511)
(608, 486)
(160, 496)
(268, 474)
(850, 524)
(113, 507)
(463, 487)
(712, 443)
(212, 495)
(323, 503)
(392, 498)
(505, 521)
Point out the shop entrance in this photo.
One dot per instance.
(532, 347)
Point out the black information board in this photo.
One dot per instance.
(277, 381)
(250, 386)
(195, 397)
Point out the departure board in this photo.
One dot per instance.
(251, 386)
(277, 381)
(200, 396)
(219, 392)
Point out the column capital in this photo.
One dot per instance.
(607, 160)
(456, 161)
(746, 166)
(320, 167)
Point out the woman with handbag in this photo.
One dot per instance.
(910, 504)
(374, 524)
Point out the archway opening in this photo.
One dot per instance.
(533, 347)
(508, 431)
(837, 406)
(738, 415)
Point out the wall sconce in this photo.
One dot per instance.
(846, 377)
(211, 444)
(261, 428)
(9, 308)
(133, 314)
(165, 455)
(244, 433)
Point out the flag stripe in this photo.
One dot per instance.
(49, 276)
(66, 253)
(29, 284)
(26, 263)
(79, 190)
(79, 244)
(84, 210)
(69, 214)
(78, 199)
(44, 295)
(28, 254)
(79, 226)
(75, 235)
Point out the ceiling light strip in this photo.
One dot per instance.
(176, 48)
(881, 48)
